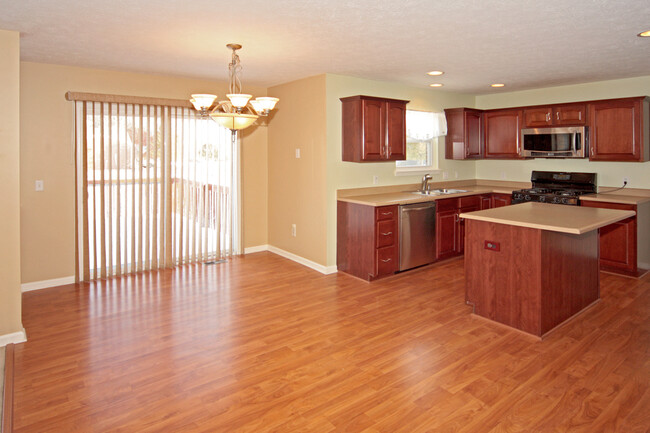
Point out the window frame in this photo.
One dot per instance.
(433, 166)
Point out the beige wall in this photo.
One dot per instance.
(47, 217)
(297, 185)
(10, 298)
(609, 173)
(342, 174)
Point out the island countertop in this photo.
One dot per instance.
(553, 217)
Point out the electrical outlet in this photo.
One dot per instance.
(445, 175)
(455, 174)
(375, 180)
(503, 175)
(39, 186)
(297, 153)
(293, 230)
(626, 180)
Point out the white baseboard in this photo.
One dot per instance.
(303, 261)
(37, 285)
(14, 337)
(256, 249)
(296, 258)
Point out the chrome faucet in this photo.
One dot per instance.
(425, 182)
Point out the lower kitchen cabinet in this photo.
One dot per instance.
(450, 229)
(618, 241)
(367, 240)
(499, 200)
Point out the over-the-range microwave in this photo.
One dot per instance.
(564, 142)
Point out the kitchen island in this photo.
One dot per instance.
(532, 266)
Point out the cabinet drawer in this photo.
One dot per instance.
(446, 204)
(386, 260)
(470, 201)
(386, 231)
(386, 213)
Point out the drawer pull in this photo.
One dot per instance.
(385, 261)
(386, 234)
(386, 213)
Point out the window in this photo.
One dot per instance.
(157, 187)
(422, 131)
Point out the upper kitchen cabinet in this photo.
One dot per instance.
(502, 133)
(619, 130)
(374, 129)
(464, 138)
(557, 115)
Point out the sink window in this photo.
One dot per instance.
(422, 131)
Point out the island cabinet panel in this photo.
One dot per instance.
(529, 279)
(502, 129)
(619, 130)
(618, 241)
(464, 138)
(374, 129)
(367, 240)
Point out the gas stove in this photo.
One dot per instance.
(556, 187)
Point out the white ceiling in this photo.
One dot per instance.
(523, 43)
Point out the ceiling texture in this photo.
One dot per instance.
(522, 43)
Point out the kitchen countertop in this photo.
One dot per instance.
(616, 198)
(553, 217)
(406, 197)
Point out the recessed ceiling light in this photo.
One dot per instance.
(436, 85)
(497, 85)
(645, 34)
(435, 73)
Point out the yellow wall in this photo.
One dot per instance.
(46, 145)
(297, 185)
(10, 300)
(342, 174)
(608, 173)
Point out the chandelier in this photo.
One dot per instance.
(240, 111)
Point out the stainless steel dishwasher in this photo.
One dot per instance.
(417, 234)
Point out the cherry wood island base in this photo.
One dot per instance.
(530, 279)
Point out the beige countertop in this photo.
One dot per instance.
(407, 197)
(615, 197)
(558, 218)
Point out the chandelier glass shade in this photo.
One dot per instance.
(239, 111)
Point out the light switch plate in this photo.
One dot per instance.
(39, 186)
(297, 153)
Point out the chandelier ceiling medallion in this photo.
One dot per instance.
(240, 111)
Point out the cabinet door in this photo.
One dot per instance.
(538, 117)
(374, 128)
(618, 241)
(615, 132)
(396, 130)
(446, 234)
(486, 201)
(502, 130)
(473, 138)
(570, 114)
(499, 200)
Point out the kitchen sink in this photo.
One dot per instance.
(439, 191)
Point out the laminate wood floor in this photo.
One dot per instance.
(262, 344)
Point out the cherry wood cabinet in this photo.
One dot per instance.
(450, 228)
(367, 240)
(499, 200)
(464, 138)
(374, 129)
(619, 130)
(618, 241)
(501, 133)
(556, 115)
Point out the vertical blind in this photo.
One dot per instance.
(157, 186)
